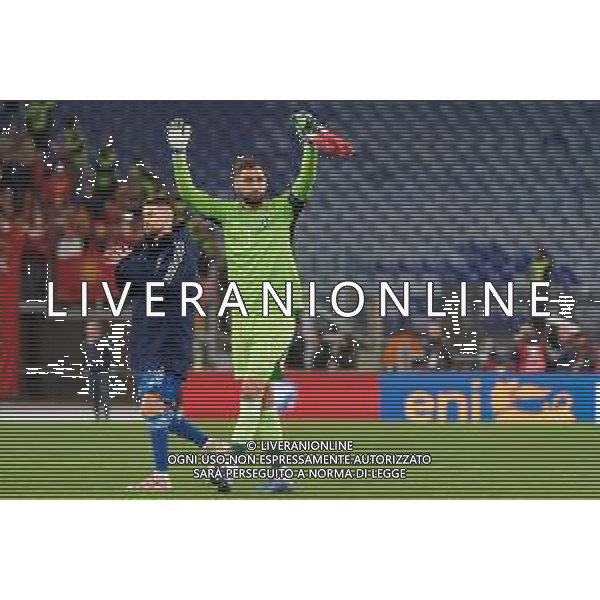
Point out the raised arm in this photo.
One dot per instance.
(178, 137)
(305, 180)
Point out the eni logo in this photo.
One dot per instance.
(506, 399)
(438, 406)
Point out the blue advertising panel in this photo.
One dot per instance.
(489, 397)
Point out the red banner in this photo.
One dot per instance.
(320, 395)
(13, 240)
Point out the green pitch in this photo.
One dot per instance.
(81, 460)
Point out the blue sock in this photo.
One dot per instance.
(185, 429)
(159, 438)
(170, 392)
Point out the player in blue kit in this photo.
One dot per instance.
(160, 347)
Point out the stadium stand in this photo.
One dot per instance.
(435, 191)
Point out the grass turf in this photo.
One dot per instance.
(85, 460)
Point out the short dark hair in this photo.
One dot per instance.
(246, 162)
(160, 201)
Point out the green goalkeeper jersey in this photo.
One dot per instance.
(258, 241)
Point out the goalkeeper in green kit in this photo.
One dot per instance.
(258, 234)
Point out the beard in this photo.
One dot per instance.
(155, 231)
(253, 201)
(250, 196)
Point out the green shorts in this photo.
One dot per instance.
(259, 344)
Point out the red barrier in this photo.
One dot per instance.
(15, 238)
(335, 396)
(321, 396)
(211, 396)
(10, 294)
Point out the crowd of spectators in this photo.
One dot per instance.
(68, 209)
(555, 348)
(64, 214)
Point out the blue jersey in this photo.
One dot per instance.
(157, 342)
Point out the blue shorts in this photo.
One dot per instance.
(168, 385)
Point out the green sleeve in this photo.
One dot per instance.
(305, 180)
(195, 198)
